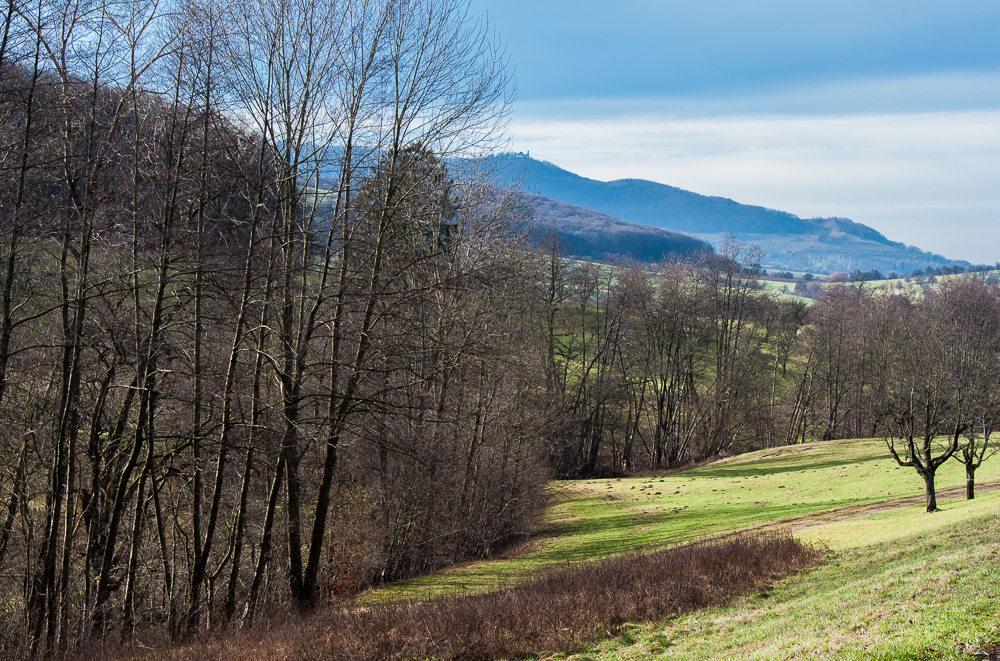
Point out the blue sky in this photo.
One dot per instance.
(884, 112)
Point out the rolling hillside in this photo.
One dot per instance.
(895, 582)
(820, 245)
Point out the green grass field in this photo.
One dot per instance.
(784, 290)
(915, 285)
(928, 595)
(897, 584)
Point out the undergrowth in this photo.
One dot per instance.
(569, 607)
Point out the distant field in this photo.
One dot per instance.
(784, 289)
(917, 284)
(814, 485)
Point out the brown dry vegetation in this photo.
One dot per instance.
(558, 611)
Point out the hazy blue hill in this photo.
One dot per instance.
(650, 203)
(813, 244)
(590, 234)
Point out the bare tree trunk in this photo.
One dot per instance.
(931, 493)
(265, 544)
(16, 496)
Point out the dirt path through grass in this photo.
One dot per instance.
(808, 521)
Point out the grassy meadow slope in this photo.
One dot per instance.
(929, 590)
(897, 583)
(808, 488)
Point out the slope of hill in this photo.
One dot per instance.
(790, 242)
(808, 486)
(897, 583)
(589, 234)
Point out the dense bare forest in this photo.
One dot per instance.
(270, 331)
(255, 342)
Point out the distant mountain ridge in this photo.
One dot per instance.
(593, 235)
(789, 242)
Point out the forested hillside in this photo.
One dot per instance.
(587, 234)
(223, 388)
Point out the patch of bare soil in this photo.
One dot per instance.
(857, 511)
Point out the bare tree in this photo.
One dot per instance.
(915, 405)
(969, 313)
(673, 332)
(731, 287)
(340, 89)
(833, 338)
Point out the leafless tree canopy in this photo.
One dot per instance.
(256, 342)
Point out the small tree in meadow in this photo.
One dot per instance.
(935, 395)
(974, 452)
(971, 311)
(913, 401)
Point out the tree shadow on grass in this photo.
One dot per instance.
(768, 467)
(612, 534)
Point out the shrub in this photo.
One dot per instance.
(558, 611)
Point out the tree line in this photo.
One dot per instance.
(693, 359)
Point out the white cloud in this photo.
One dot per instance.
(927, 179)
(956, 90)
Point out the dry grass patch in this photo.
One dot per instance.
(557, 612)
